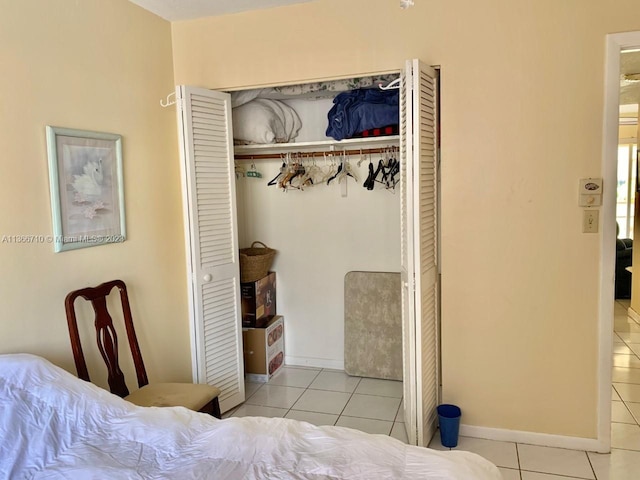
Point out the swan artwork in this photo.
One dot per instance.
(90, 182)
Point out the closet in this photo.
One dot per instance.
(218, 208)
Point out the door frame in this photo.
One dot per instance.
(615, 43)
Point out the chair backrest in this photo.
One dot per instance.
(106, 336)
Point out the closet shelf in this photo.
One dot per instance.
(273, 150)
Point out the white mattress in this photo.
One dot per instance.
(54, 426)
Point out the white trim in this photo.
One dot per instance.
(614, 44)
(532, 438)
(290, 361)
(633, 314)
(185, 180)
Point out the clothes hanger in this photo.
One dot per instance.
(253, 172)
(239, 171)
(333, 177)
(371, 179)
(307, 180)
(346, 170)
(274, 180)
(330, 169)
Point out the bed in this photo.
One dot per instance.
(54, 426)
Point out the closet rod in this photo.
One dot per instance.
(264, 156)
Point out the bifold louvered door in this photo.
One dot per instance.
(212, 240)
(418, 144)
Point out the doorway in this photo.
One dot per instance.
(616, 45)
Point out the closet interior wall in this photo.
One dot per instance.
(320, 236)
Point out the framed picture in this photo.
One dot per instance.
(87, 196)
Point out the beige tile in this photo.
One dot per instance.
(294, 377)
(617, 465)
(621, 305)
(315, 418)
(628, 392)
(625, 324)
(370, 406)
(229, 413)
(509, 474)
(622, 349)
(322, 401)
(400, 414)
(251, 388)
(335, 381)
(544, 476)
(399, 432)
(384, 388)
(614, 395)
(501, 454)
(627, 361)
(367, 425)
(625, 436)
(626, 375)
(633, 337)
(436, 444)
(275, 396)
(620, 414)
(247, 410)
(634, 347)
(556, 461)
(635, 410)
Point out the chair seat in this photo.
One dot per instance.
(193, 396)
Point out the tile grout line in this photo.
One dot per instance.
(591, 465)
(305, 391)
(347, 403)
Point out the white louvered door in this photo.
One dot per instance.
(419, 251)
(212, 240)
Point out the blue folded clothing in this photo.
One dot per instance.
(362, 109)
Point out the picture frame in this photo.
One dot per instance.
(87, 188)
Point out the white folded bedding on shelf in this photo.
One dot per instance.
(56, 426)
(263, 120)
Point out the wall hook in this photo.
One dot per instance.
(168, 102)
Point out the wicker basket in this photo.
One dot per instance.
(255, 262)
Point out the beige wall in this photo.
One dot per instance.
(522, 109)
(100, 66)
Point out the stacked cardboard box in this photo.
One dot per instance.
(258, 301)
(264, 350)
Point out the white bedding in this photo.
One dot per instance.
(265, 121)
(54, 426)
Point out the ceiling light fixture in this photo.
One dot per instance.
(404, 4)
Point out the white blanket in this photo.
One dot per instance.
(265, 121)
(54, 426)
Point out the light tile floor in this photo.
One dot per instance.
(330, 397)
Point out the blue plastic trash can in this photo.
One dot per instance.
(449, 420)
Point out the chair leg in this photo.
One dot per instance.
(216, 408)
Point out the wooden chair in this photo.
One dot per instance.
(198, 397)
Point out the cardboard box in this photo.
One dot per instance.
(264, 350)
(258, 301)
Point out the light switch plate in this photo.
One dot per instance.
(590, 220)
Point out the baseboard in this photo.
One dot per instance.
(532, 438)
(313, 362)
(633, 314)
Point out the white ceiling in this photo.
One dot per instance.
(174, 10)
